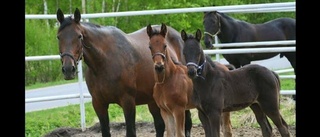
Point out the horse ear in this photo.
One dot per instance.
(77, 15)
(149, 30)
(198, 35)
(183, 35)
(163, 31)
(60, 16)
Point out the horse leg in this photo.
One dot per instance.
(158, 121)
(102, 113)
(262, 120)
(215, 121)
(292, 59)
(129, 108)
(205, 122)
(188, 123)
(272, 111)
(169, 122)
(226, 124)
(179, 117)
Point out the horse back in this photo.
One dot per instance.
(277, 29)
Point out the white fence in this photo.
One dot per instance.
(250, 8)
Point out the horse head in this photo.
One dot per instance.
(193, 53)
(70, 43)
(158, 46)
(211, 23)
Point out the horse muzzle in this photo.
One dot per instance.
(69, 69)
(192, 72)
(159, 68)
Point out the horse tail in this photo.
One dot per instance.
(277, 79)
(278, 83)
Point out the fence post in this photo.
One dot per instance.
(82, 109)
(216, 42)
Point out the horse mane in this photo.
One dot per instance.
(176, 62)
(68, 20)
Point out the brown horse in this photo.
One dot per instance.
(173, 88)
(218, 90)
(119, 68)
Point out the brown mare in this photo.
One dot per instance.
(218, 90)
(173, 89)
(119, 68)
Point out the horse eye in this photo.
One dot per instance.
(58, 37)
(165, 46)
(80, 36)
(149, 47)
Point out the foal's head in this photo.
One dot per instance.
(211, 23)
(70, 42)
(158, 46)
(193, 53)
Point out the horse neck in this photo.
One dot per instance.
(228, 29)
(211, 69)
(98, 50)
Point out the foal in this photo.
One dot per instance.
(218, 90)
(173, 88)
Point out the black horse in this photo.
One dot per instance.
(230, 30)
(218, 90)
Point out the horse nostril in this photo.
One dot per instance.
(63, 70)
(158, 68)
(73, 69)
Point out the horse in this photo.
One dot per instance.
(119, 68)
(218, 90)
(230, 30)
(173, 88)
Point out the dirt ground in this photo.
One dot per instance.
(145, 129)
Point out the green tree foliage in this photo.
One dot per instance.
(41, 38)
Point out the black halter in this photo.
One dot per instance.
(71, 56)
(218, 31)
(199, 68)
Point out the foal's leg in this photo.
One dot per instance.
(188, 123)
(169, 122)
(205, 122)
(262, 120)
(226, 124)
(102, 113)
(179, 117)
(272, 111)
(158, 121)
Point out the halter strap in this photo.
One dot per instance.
(199, 68)
(70, 55)
(164, 56)
(159, 53)
(219, 30)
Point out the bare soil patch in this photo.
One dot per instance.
(146, 129)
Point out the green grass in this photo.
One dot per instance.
(39, 123)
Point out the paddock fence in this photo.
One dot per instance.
(249, 8)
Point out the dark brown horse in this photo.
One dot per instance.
(173, 88)
(230, 30)
(219, 90)
(119, 68)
